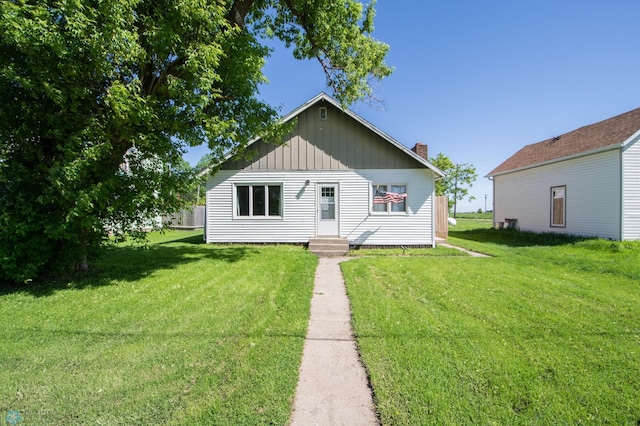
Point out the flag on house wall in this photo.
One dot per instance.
(384, 197)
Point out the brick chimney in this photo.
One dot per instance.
(422, 150)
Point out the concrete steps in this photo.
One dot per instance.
(329, 246)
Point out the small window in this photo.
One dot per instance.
(258, 200)
(389, 198)
(558, 206)
(323, 113)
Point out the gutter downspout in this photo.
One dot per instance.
(621, 230)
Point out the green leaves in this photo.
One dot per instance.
(457, 181)
(338, 35)
(89, 83)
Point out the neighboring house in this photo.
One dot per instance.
(335, 175)
(585, 182)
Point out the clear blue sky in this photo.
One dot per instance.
(479, 80)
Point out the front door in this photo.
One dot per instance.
(328, 209)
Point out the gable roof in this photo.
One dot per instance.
(608, 134)
(323, 97)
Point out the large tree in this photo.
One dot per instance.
(459, 178)
(101, 98)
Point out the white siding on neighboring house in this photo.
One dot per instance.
(298, 223)
(631, 191)
(592, 195)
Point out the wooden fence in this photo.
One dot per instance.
(442, 215)
(186, 219)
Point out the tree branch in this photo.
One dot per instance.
(239, 11)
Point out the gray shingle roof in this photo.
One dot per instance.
(608, 133)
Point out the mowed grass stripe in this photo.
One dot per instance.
(535, 335)
(179, 333)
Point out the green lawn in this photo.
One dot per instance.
(179, 333)
(545, 332)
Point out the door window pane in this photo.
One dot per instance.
(328, 202)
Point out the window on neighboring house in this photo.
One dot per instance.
(558, 206)
(259, 200)
(389, 198)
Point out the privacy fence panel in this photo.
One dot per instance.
(186, 219)
(442, 214)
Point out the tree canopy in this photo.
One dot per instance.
(101, 99)
(459, 178)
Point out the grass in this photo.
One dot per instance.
(474, 215)
(407, 252)
(179, 333)
(545, 332)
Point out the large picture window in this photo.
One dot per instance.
(558, 206)
(259, 200)
(389, 198)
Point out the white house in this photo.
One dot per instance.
(585, 182)
(336, 175)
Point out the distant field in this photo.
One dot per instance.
(488, 215)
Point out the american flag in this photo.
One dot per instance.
(384, 197)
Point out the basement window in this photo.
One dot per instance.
(558, 206)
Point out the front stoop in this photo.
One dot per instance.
(329, 246)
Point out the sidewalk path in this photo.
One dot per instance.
(332, 388)
(469, 252)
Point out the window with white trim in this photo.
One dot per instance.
(258, 200)
(389, 198)
(558, 206)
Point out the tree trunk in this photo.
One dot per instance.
(81, 264)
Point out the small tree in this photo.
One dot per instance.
(458, 180)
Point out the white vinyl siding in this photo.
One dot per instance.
(298, 221)
(631, 191)
(592, 202)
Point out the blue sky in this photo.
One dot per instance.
(479, 80)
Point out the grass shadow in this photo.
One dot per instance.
(128, 263)
(194, 239)
(516, 238)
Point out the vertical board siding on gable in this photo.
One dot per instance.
(631, 191)
(337, 143)
(299, 221)
(592, 196)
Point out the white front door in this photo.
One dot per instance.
(328, 209)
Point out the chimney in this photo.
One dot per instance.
(422, 150)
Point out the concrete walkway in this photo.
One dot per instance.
(469, 252)
(332, 388)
